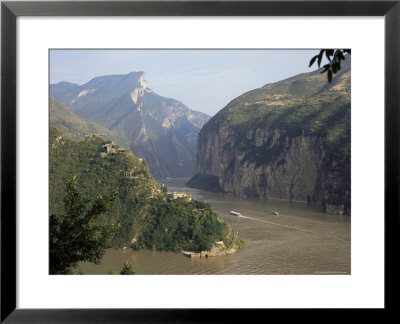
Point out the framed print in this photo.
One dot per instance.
(94, 76)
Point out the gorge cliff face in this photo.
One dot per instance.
(289, 140)
(162, 131)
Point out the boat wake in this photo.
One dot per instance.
(293, 227)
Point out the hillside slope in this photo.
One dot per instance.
(288, 140)
(77, 128)
(148, 218)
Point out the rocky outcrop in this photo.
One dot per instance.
(160, 130)
(274, 143)
(291, 172)
(288, 168)
(218, 249)
(233, 244)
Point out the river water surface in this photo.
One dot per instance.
(299, 240)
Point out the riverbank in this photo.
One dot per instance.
(299, 240)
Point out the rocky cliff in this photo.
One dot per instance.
(288, 140)
(160, 130)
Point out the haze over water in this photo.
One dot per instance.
(299, 240)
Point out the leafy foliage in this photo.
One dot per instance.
(334, 57)
(127, 269)
(74, 235)
(147, 218)
(178, 225)
(99, 173)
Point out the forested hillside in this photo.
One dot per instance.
(147, 218)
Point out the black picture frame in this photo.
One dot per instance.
(10, 10)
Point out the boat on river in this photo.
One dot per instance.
(235, 213)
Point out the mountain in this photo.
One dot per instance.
(148, 217)
(287, 140)
(77, 128)
(162, 131)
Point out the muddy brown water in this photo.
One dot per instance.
(300, 240)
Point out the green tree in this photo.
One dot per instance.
(334, 57)
(75, 236)
(127, 269)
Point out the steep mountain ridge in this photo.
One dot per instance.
(287, 140)
(161, 130)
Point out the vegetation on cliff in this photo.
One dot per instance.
(144, 216)
(77, 128)
(261, 128)
(178, 225)
(304, 104)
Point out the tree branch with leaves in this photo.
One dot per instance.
(75, 236)
(334, 57)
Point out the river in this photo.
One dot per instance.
(300, 240)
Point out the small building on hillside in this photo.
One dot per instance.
(174, 195)
(112, 148)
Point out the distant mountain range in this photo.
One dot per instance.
(287, 140)
(160, 130)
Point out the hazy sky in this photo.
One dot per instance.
(203, 80)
